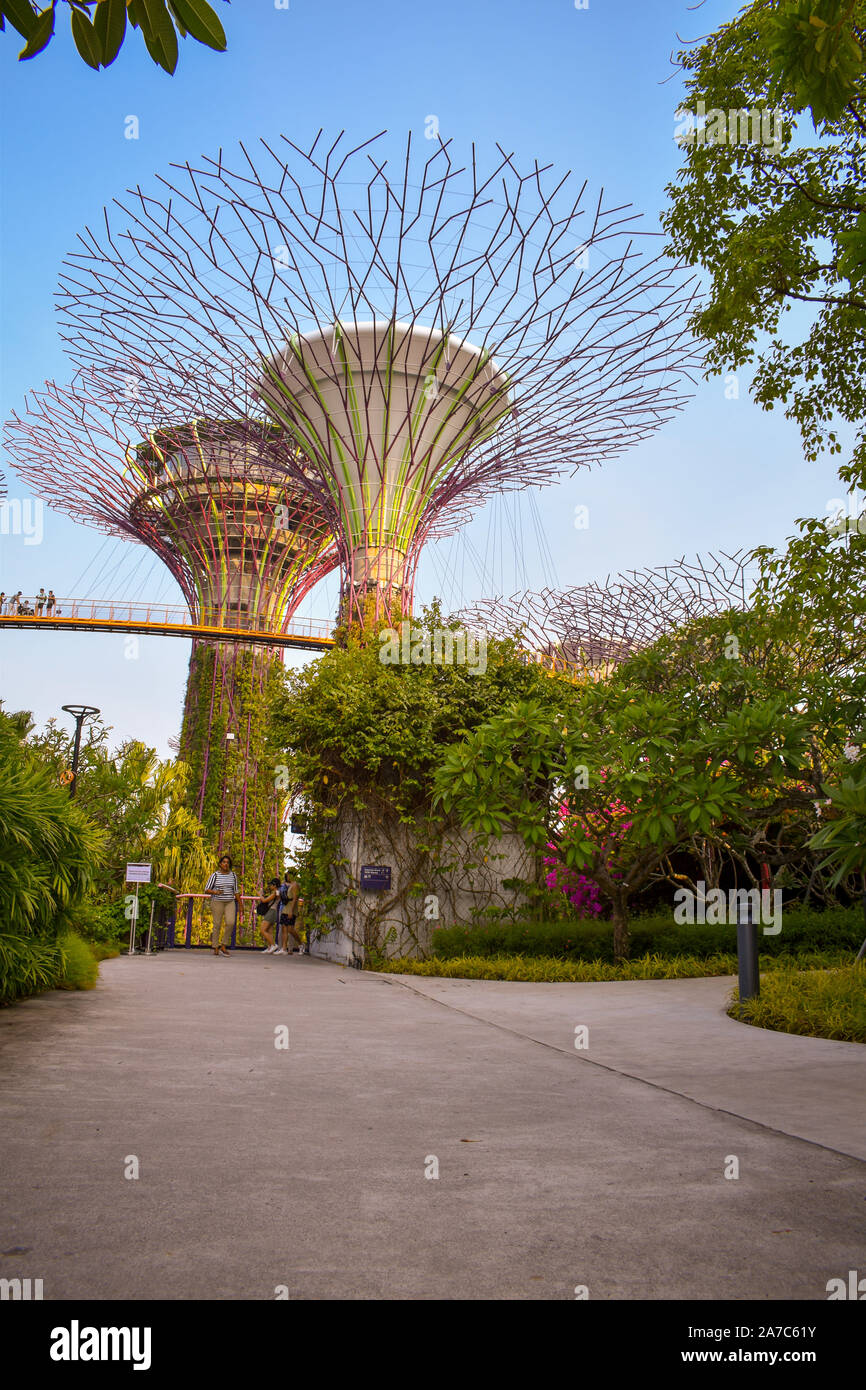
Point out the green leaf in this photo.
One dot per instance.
(110, 24)
(852, 261)
(159, 33)
(87, 40)
(178, 22)
(21, 17)
(41, 35)
(199, 19)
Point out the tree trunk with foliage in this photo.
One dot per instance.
(235, 783)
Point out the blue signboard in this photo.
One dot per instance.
(375, 877)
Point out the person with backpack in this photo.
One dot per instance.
(267, 908)
(225, 902)
(289, 891)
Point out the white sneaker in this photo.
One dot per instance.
(281, 952)
(272, 950)
(266, 950)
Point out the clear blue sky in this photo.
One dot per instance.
(582, 88)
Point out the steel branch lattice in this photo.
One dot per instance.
(427, 335)
(591, 628)
(243, 539)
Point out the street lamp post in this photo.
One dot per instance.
(79, 714)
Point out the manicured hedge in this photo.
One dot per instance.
(539, 969)
(834, 929)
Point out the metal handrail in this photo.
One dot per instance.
(149, 614)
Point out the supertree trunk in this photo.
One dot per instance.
(225, 740)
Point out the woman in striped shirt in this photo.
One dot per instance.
(224, 903)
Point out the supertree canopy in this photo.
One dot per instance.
(423, 333)
(243, 540)
(590, 628)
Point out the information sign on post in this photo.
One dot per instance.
(136, 873)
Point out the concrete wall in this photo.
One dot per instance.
(459, 882)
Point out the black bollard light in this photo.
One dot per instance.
(747, 952)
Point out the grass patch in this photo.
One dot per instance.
(540, 969)
(819, 1004)
(80, 966)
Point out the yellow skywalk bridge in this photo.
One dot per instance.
(86, 615)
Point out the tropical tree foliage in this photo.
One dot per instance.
(708, 739)
(844, 836)
(99, 27)
(49, 857)
(139, 801)
(780, 224)
(51, 852)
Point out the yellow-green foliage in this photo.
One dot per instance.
(27, 966)
(821, 1004)
(80, 967)
(549, 968)
(103, 950)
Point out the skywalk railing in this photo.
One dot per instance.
(79, 612)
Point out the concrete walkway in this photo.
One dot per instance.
(263, 1167)
(677, 1034)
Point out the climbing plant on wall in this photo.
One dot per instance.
(363, 730)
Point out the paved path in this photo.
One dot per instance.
(305, 1167)
(677, 1034)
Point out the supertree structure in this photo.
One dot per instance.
(245, 543)
(423, 333)
(590, 628)
(371, 348)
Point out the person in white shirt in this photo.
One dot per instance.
(224, 903)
